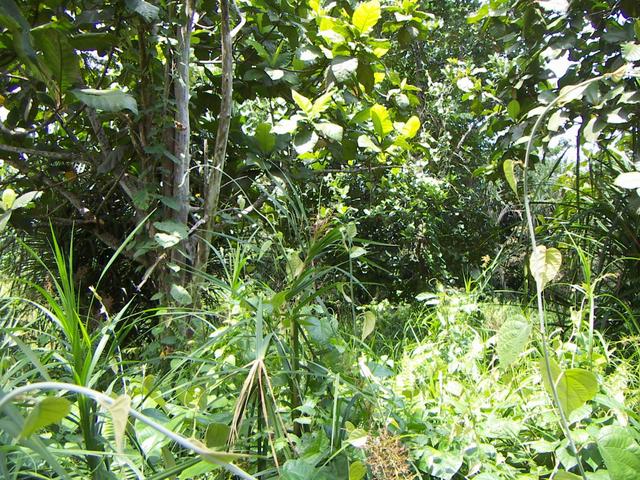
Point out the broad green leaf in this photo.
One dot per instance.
(180, 294)
(366, 15)
(146, 10)
(512, 340)
(557, 120)
(107, 100)
(330, 130)
(343, 68)
(8, 197)
(48, 411)
(264, 138)
(217, 435)
(575, 386)
(58, 56)
(172, 227)
(628, 180)
(513, 109)
(381, 122)
(303, 102)
(411, 128)
(365, 76)
(620, 452)
(274, 73)
(298, 470)
(25, 199)
(357, 470)
(12, 18)
(368, 325)
(545, 264)
(508, 167)
(631, 51)
(119, 411)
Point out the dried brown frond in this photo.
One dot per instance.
(388, 458)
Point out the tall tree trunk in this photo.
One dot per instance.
(214, 179)
(181, 191)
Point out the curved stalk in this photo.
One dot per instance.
(105, 399)
(532, 234)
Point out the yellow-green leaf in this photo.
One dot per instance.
(545, 264)
(303, 102)
(411, 128)
(575, 386)
(357, 470)
(46, 412)
(381, 122)
(8, 197)
(369, 324)
(366, 15)
(509, 173)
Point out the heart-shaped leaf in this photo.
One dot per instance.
(545, 264)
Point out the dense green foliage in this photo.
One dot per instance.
(320, 240)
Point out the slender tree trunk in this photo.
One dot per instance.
(214, 180)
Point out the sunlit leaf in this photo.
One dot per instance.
(628, 180)
(48, 411)
(303, 102)
(411, 128)
(381, 122)
(574, 386)
(119, 411)
(545, 264)
(107, 100)
(366, 15)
